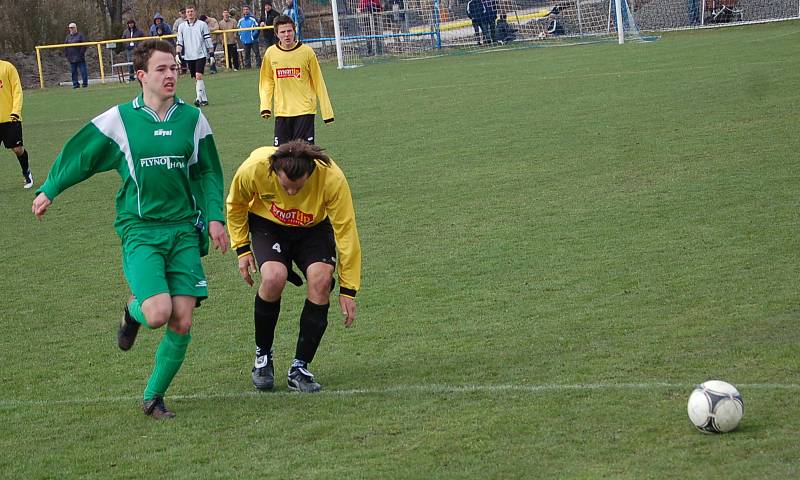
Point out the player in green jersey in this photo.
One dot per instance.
(170, 203)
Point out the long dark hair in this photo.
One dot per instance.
(297, 158)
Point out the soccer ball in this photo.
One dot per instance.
(715, 407)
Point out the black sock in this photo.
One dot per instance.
(266, 318)
(23, 163)
(313, 322)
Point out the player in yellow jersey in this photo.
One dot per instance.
(11, 118)
(292, 204)
(291, 79)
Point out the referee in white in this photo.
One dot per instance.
(194, 45)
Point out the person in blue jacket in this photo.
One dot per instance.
(249, 38)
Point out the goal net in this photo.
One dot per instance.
(678, 14)
(371, 30)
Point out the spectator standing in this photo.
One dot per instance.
(213, 26)
(169, 203)
(267, 19)
(229, 23)
(194, 47)
(11, 118)
(76, 56)
(294, 12)
(158, 23)
(372, 23)
(292, 204)
(476, 11)
(132, 31)
(181, 19)
(249, 38)
(491, 18)
(291, 79)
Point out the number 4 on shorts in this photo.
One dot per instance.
(277, 247)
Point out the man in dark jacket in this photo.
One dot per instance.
(490, 19)
(266, 21)
(76, 56)
(132, 31)
(476, 11)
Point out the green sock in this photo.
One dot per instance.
(169, 358)
(135, 309)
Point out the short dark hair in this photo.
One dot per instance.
(283, 20)
(144, 50)
(297, 158)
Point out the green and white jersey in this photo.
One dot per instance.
(170, 168)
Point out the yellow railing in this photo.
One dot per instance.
(98, 43)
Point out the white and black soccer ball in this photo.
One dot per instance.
(715, 407)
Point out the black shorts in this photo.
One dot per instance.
(271, 242)
(196, 66)
(300, 127)
(11, 134)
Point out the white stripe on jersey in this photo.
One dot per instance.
(110, 124)
(201, 130)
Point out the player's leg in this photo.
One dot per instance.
(284, 130)
(192, 66)
(169, 356)
(144, 262)
(187, 285)
(11, 136)
(200, 85)
(303, 126)
(316, 256)
(270, 250)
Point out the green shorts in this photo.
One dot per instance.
(164, 260)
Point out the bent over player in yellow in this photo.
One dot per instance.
(292, 204)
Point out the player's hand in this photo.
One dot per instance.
(14, 117)
(216, 230)
(348, 309)
(178, 59)
(265, 114)
(247, 265)
(40, 204)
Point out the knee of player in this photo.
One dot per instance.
(18, 150)
(181, 324)
(157, 310)
(319, 280)
(273, 278)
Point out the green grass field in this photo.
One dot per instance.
(558, 244)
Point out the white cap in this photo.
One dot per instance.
(72, 25)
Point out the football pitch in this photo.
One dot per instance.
(558, 244)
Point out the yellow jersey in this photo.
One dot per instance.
(326, 194)
(10, 92)
(292, 79)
